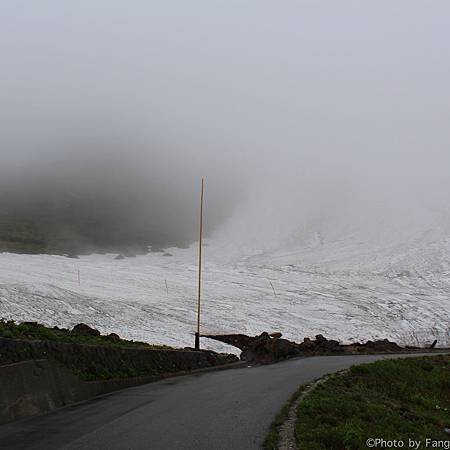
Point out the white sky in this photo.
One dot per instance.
(300, 105)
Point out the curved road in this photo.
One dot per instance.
(221, 410)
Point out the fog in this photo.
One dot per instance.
(302, 116)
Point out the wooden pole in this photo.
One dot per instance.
(197, 334)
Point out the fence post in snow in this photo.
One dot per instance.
(273, 289)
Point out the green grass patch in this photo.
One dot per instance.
(95, 357)
(33, 330)
(396, 399)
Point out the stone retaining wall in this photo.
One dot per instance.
(39, 376)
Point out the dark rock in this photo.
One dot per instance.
(240, 341)
(320, 339)
(320, 345)
(267, 348)
(84, 329)
(167, 254)
(333, 344)
(118, 257)
(114, 336)
(383, 345)
(282, 348)
(260, 349)
(307, 344)
(379, 346)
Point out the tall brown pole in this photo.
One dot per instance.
(197, 334)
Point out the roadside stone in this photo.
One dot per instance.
(84, 329)
(268, 348)
(275, 335)
(114, 336)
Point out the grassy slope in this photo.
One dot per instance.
(20, 236)
(32, 330)
(99, 357)
(393, 399)
(63, 234)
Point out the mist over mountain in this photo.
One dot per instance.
(102, 194)
(303, 119)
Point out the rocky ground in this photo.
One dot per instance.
(269, 348)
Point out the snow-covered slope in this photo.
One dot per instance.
(345, 289)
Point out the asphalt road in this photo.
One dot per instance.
(229, 409)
